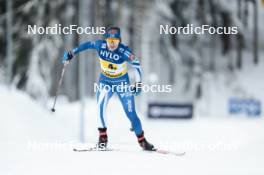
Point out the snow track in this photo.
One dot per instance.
(35, 141)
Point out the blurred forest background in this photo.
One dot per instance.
(191, 63)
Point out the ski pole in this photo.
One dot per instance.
(58, 86)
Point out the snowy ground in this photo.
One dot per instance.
(34, 141)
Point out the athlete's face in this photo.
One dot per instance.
(112, 43)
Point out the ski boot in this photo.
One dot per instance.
(145, 145)
(102, 142)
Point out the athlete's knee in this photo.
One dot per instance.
(134, 117)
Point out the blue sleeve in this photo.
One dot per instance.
(88, 45)
(131, 58)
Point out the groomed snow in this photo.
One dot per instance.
(35, 141)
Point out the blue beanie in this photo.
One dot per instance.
(113, 32)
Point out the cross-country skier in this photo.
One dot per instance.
(113, 57)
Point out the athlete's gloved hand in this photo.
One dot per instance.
(137, 88)
(67, 57)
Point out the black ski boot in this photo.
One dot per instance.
(102, 142)
(145, 145)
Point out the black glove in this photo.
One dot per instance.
(136, 88)
(67, 56)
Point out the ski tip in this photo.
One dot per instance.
(94, 149)
(80, 150)
(170, 152)
(180, 154)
